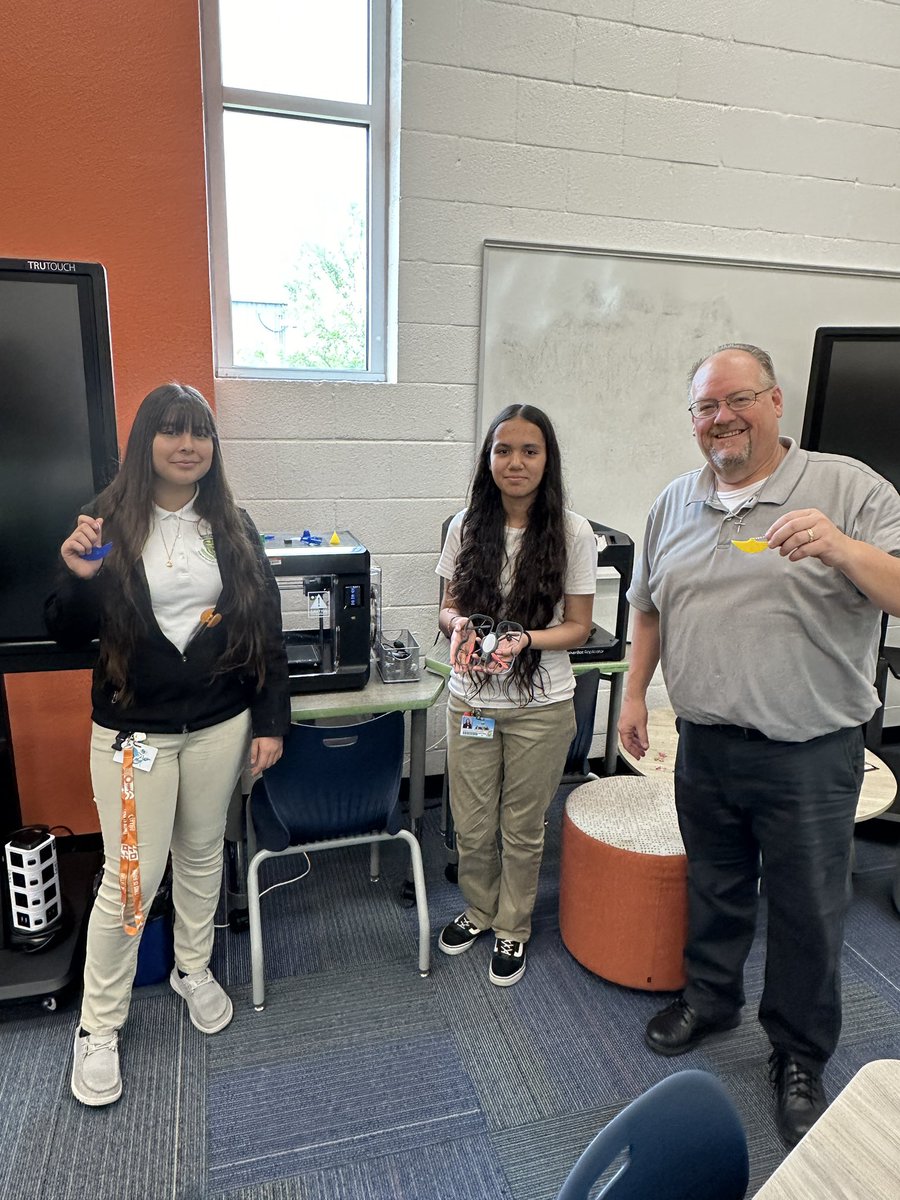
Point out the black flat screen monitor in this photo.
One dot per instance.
(853, 402)
(57, 433)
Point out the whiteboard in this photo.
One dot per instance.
(602, 341)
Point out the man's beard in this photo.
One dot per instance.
(724, 459)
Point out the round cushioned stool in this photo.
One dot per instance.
(623, 882)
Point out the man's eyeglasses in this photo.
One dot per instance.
(702, 410)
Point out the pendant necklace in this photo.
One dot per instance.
(739, 521)
(748, 505)
(170, 551)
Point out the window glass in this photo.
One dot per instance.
(296, 193)
(316, 48)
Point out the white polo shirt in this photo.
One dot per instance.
(180, 593)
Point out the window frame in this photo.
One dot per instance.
(373, 117)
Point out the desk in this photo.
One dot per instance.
(879, 787)
(414, 697)
(437, 659)
(852, 1152)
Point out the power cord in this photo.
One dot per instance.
(285, 882)
(282, 883)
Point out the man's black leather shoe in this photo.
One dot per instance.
(678, 1028)
(799, 1096)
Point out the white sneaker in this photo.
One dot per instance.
(96, 1079)
(209, 1007)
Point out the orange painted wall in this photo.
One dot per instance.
(103, 161)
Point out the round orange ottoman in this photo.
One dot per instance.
(623, 882)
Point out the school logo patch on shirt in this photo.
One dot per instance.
(207, 549)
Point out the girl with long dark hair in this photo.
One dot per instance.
(190, 687)
(516, 554)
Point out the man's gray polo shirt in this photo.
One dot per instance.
(754, 639)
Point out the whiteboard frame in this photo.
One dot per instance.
(494, 249)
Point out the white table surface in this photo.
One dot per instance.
(879, 788)
(853, 1150)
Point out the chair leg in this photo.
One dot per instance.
(257, 965)
(374, 861)
(415, 853)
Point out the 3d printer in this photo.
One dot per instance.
(615, 551)
(324, 581)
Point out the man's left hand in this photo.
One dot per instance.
(808, 533)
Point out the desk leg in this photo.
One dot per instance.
(611, 751)
(418, 728)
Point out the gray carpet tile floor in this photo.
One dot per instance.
(362, 1081)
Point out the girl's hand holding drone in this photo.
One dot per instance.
(511, 641)
(463, 644)
(477, 647)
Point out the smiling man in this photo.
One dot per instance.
(769, 662)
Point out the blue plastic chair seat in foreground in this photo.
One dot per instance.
(683, 1141)
(332, 787)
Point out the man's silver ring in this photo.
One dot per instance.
(810, 535)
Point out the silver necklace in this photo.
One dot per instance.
(746, 509)
(748, 505)
(170, 550)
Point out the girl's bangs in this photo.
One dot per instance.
(187, 414)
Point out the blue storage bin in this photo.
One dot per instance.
(156, 955)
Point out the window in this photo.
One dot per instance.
(296, 109)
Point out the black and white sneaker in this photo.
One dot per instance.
(459, 935)
(507, 963)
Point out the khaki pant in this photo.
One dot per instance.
(181, 805)
(505, 784)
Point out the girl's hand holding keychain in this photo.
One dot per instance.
(83, 551)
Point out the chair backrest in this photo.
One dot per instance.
(331, 781)
(585, 698)
(684, 1141)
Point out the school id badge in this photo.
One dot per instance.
(474, 726)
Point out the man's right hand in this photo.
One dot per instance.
(87, 534)
(633, 727)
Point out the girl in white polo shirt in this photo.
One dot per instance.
(515, 554)
(190, 684)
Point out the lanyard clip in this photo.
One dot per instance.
(123, 739)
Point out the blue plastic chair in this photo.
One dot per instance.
(684, 1141)
(333, 786)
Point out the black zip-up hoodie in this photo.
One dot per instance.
(175, 692)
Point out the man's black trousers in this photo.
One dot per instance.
(743, 798)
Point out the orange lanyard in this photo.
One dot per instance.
(129, 866)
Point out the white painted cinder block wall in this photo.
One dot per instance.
(765, 130)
